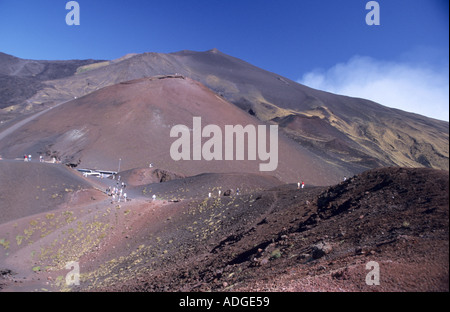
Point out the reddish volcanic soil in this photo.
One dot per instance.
(321, 240)
(220, 226)
(32, 187)
(270, 237)
(131, 121)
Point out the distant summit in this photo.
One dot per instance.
(214, 50)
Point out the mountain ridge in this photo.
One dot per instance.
(200, 225)
(132, 121)
(371, 135)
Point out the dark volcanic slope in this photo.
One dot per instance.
(351, 133)
(200, 186)
(21, 79)
(31, 188)
(359, 132)
(132, 121)
(278, 239)
(284, 239)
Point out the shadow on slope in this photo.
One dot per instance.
(285, 239)
(30, 187)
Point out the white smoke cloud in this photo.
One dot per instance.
(420, 89)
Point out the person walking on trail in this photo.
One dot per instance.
(303, 184)
(154, 197)
(125, 197)
(237, 191)
(298, 185)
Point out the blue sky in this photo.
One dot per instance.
(325, 44)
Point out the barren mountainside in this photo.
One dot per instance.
(351, 133)
(267, 238)
(132, 122)
(376, 181)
